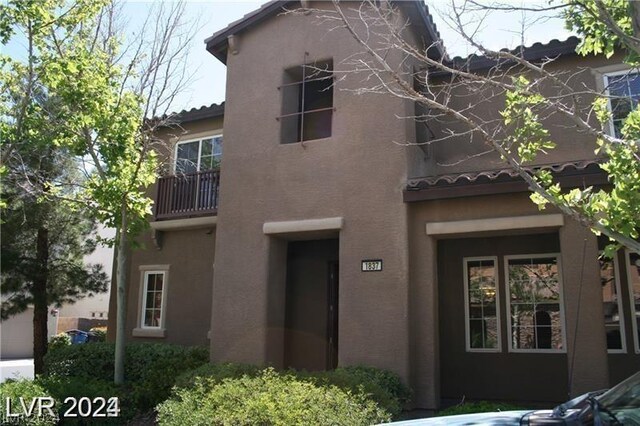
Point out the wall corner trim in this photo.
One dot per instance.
(308, 225)
(181, 224)
(149, 332)
(495, 224)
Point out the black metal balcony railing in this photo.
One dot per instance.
(187, 195)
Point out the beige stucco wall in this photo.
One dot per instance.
(189, 253)
(460, 154)
(586, 345)
(357, 174)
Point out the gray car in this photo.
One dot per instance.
(619, 405)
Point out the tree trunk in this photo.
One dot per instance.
(121, 310)
(40, 307)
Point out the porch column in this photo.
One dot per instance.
(424, 329)
(584, 316)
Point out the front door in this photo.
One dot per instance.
(311, 317)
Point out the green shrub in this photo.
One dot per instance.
(387, 380)
(382, 386)
(268, 398)
(215, 373)
(99, 334)
(77, 387)
(91, 361)
(150, 368)
(477, 407)
(59, 341)
(28, 390)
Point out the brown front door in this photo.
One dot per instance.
(311, 317)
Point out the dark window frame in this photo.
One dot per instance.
(307, 82)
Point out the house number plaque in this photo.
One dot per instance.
(372, 265)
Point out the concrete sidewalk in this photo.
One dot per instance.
(16, 368)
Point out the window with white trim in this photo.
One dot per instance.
(633, 274)
(198, 155)
(482, 307)
(534, 303)
(623, 90)
(153, 296)
(612, 305)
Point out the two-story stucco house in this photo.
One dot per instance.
(317, 242)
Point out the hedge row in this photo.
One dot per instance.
(150, 370)
(185, 389)
(268, 398)
(242, 394)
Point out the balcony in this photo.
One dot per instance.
(187, 195)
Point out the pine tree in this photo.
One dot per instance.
(43, 241)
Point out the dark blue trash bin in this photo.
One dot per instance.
(78, 336)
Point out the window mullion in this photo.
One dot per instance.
(199, 155)
(302, 102)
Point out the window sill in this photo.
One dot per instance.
(304, 142)
(149, 332)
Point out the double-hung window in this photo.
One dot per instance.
(623, 90)
(482, 304)
(198, 155)
(612, 305)
(534, 303)
(307, 102)
(633, 276)
(153, 299)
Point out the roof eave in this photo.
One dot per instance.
(217, 44)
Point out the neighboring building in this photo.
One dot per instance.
(349, 249)
(16, 334)
(90, 311)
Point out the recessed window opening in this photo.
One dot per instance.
(307, 102)
(152, 303)
(633, 277)
(534, 303)
(482, 306)
(611, 302)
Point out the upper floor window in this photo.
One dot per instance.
(307, 102)
(198, 155)
(623, 89)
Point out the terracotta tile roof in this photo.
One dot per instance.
(537, 51)
(499, 174)
(195, 114)
(574, 174)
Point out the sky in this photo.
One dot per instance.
(499, 30)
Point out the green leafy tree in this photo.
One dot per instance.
(43, 242)
(528, 93)
(102, 97)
